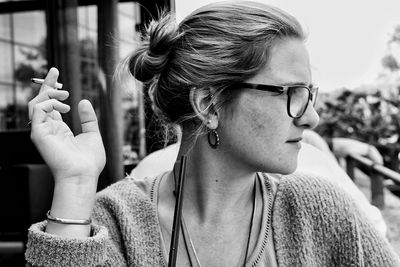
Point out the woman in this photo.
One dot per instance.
(236, 77)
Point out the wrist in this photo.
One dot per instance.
(69, 230)
(74, 201)
(67, 221)
(76, 181)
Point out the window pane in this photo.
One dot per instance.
(6, 96)
(137, 12)
(87, 17)
(82, 16)
(126, 8)
(6, 74)
(29, 62)
(92, 14)
(88, 47)
(130, 10)
(30, 27)
(90, 83)
(82, 32)
(5, 100)
(24, 93)
(5, 30)
(126, 28)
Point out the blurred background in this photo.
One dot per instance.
(355, 55)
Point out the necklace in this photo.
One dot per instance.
(189, 243)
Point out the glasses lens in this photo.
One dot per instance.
(298, 97)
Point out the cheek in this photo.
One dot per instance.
(267, 122)
(259, 126)
(256, 135)
(268, 135)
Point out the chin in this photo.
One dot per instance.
(285, 169)
(286, 172)
(288, 167)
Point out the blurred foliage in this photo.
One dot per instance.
(390, 62)
(395, 35)
(34, 65)
(368, 117)
(369, 113)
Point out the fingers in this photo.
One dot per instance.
(57, 94)
(88, 117)
(51, 93)
(374, 155)
(41, 111)
(50, 80)
(47, 91)
(55, 115)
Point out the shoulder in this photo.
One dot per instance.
(310, 194)
(129, 185)
(307, 185)
(312, 201)
(128, 194)
(312, 206)
(315, 217)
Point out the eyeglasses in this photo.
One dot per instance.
(298, 95)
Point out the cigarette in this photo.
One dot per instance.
(41, 81)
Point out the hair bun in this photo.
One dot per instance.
(152, 57)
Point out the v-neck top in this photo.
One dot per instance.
(263, 254)
(314, 224)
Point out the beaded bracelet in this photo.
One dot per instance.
(67, 221)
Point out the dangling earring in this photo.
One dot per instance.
(213, 139)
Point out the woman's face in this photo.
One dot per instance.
(255, 129)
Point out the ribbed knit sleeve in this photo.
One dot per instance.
(127, 236)
(51, 250)
(317, 224)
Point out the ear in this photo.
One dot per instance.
(204, 108)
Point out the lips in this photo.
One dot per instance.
(294, 140)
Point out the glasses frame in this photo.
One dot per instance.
(312, 93)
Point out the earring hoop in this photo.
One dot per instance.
(213, 139)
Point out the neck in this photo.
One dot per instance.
(214, 189)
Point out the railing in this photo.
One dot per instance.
(376, 173)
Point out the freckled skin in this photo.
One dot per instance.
(255, 132)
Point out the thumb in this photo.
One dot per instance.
(88, 117)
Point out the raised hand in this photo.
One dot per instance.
(342, 147)
(75, 161)
(68, 156)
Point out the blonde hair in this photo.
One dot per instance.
(211, 49)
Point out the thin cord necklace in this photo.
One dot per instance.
(188, 241)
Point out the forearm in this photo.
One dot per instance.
(343, 147)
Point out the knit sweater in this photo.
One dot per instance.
(314, 224)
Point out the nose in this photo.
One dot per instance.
(310, 118)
